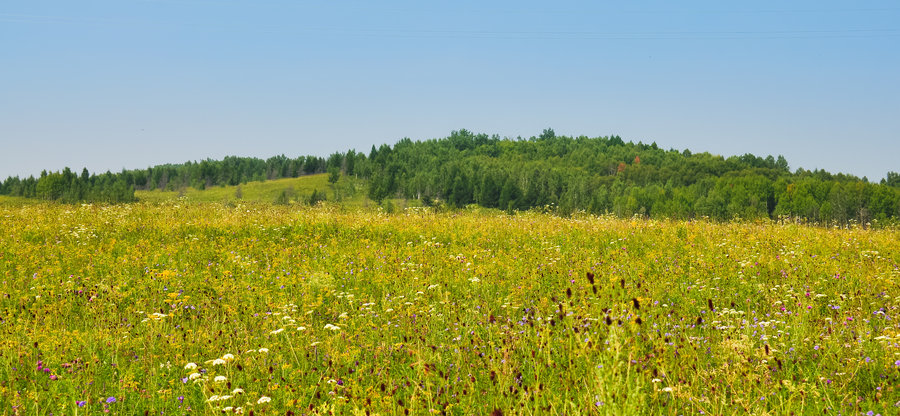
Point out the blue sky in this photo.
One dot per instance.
(132, 83)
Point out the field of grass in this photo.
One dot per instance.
(350, 191)
(16, 200)
(185, 307)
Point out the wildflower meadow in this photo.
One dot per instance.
(250, 308)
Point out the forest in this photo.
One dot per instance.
(553, 173)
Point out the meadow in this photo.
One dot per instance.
(187, 307)
(348, 191)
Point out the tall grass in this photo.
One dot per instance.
(182, 306)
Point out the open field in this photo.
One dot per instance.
(350, 191)
(197, 308)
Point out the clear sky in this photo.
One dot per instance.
(112, 84)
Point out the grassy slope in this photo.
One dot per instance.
(351, 191)
(16, 200)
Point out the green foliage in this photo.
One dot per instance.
(334, 174)
(67, 187)
(286, 196)
(563, 174)
(892, 179)
(607, 174)
(316, 197)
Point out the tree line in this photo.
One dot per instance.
(608, 175)
(563, 174)
(65, 186)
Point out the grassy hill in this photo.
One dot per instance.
(348, 191)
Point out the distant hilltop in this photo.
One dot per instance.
(549, 172)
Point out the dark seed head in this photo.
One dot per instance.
(638, 321)
(710, 304)
(637, 305)
(590, 277)
(568, 292)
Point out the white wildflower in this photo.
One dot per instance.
(190, 366)
(264, 399)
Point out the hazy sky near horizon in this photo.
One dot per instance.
(112, 84)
